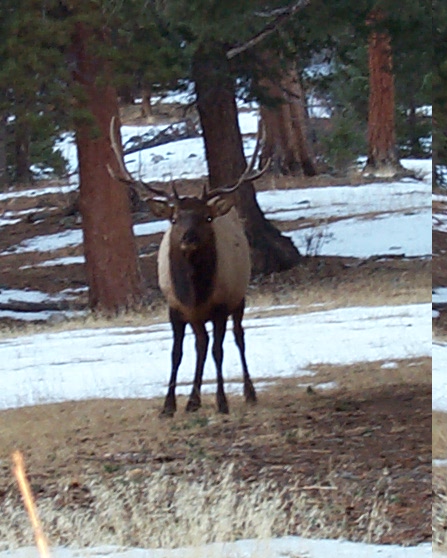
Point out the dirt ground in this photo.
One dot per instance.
(344, 449)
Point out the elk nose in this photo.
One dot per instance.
(190, 241)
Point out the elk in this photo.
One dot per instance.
(203, 272)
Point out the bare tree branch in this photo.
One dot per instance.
(282, 15)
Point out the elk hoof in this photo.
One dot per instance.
(222, 406)
(193, 405)
(167, 412)
(250, 394)
(224, 410)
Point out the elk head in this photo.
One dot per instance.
(191, 218)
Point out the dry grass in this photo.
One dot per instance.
(160, 511)
(314, 285)
(169, 511)
(439, 435)
(367, 375)
(319, 464)
(439, 512)
(113, 424)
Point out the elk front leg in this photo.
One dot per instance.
(220, 326)
(178, 329)
(201, 334)
(249, 390)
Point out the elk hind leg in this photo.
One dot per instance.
(249, 390)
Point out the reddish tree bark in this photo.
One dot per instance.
(382, 156)
(113, 274)
(270, 251)
(286, 125)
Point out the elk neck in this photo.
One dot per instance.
(193, 275)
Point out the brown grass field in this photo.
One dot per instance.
(354, 463)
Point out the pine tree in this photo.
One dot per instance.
(340, 33)
(214, 34)
(71, 44)
(285, 119)
(115, 283)
(382, 153)
(31, 105)
(392, 31)
(440, 92)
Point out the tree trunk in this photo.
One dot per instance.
(382, 156)
(286, 125)
(270, 251)
(415, 147)
(113, 273)
(146, 106)
(22, 173)
(3, 151)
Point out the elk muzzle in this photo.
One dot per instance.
(189, 242)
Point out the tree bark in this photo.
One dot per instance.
(22, 173)
(414, 145)
(270, 251)
(382, 156)
(3, 152)
(146, 105)
(115, 283)
(286, 125)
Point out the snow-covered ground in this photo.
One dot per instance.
(439, 394)
(134, 362)
(439, 377)
(383, 219)
(376, 219)
(287, 547)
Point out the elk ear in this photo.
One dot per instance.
(160, 207)
(220, 205)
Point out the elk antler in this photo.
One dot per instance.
(248, 174)
(125, 176)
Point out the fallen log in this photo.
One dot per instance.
(185, 129)
(49, 305)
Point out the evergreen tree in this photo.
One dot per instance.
(31, 96)
(382, 154)
(439, 80)
(214, 34)
(339, 33)
(115, 283)
(59, 63)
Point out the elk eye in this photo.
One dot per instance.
(209, 219)
(173, 220)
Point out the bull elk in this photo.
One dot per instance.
(203, 272)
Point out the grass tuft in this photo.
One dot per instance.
(170, 511)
